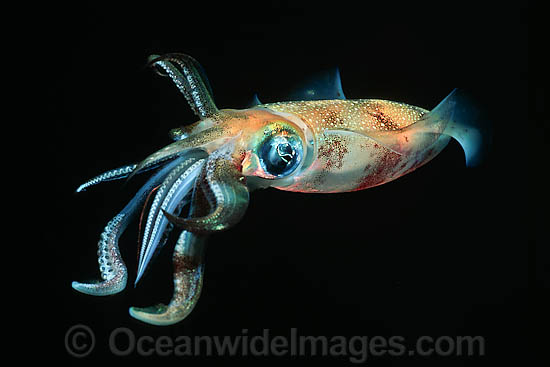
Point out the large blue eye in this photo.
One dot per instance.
(280, 155)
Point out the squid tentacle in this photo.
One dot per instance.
(123, 172)
(169, 196)
(185, 73)
(162, 192)
(227, 193)
(188, 267)
(188, 263)
(110, 175)
(113, 270)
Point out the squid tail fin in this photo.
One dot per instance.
(467, 125)
(456, 116)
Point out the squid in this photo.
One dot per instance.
(317, 142)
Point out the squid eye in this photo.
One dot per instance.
(280, 155)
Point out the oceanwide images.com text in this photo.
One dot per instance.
(80, 341)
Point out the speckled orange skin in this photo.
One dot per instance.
(353, 144)
(346, 156)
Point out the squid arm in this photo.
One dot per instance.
(169, 196)
(188, 268)
(113, 270)
(187, 74)
(191, 80)
(226, 191)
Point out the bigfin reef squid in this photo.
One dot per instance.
(319, 142)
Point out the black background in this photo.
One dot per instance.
(437, 252)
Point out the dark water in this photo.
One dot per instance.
(436, 253)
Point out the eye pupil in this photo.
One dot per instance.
(280, 155)
(286, 152)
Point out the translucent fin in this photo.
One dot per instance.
(455, 116)
(470, 128)
(255, 101)
(325, 85)
(423, 132)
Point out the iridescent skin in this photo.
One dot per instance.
(347, 156)
(329, 145)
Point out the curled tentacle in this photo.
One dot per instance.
(174, 189)
(188, 263)
(226, 191)
(186, 73)
(112, 267)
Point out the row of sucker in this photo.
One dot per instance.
(168, 197)
(227, 194)
(189, 81)
(112, 267)
(188, 272)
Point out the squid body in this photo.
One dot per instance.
(319, 142)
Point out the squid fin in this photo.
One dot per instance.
(470, 128)
(402, 141)
(455, 116)
(255, 101)
(325, 85)
(458, 117)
